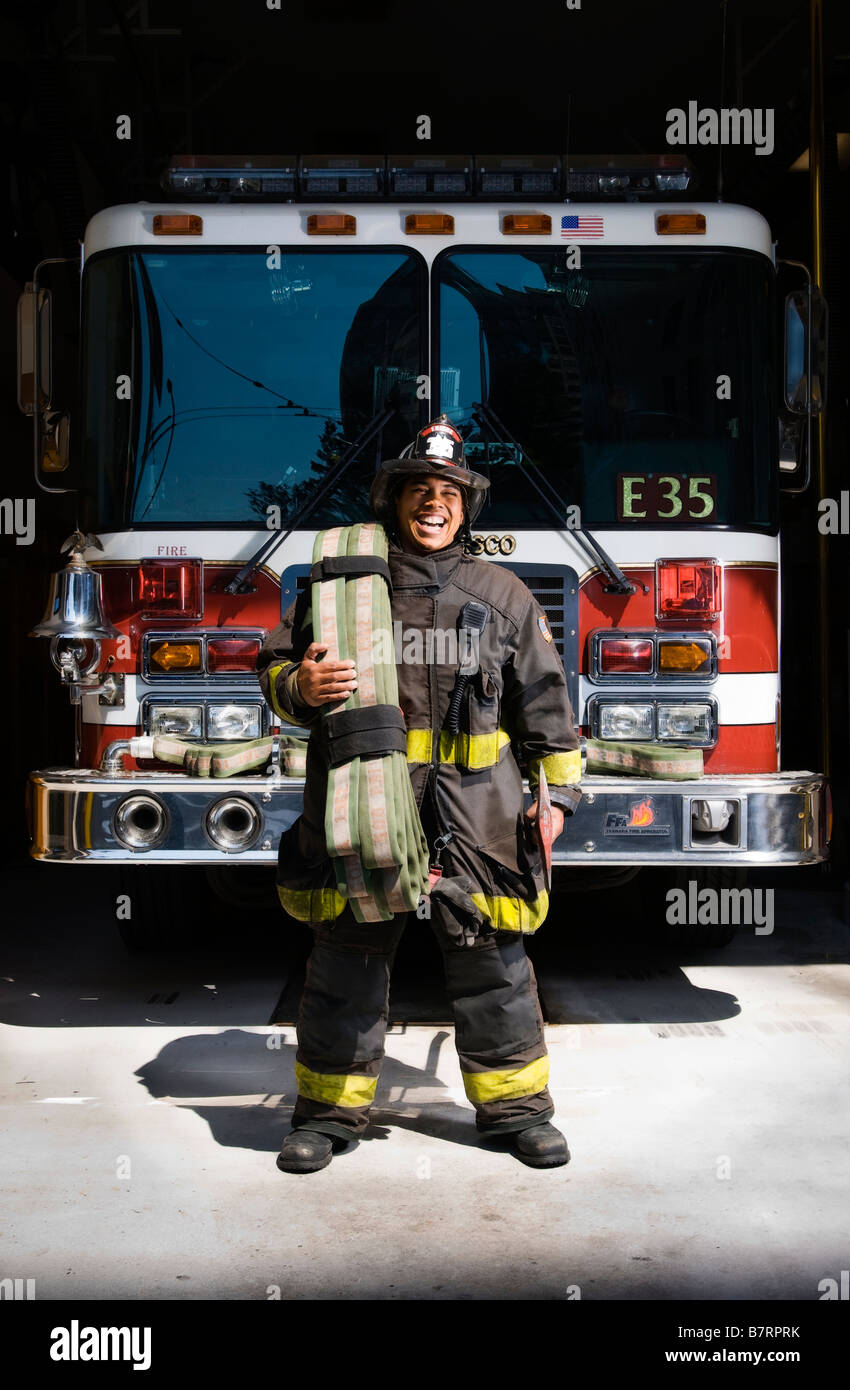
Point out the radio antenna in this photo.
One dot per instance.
(567, 148)
(723, 27)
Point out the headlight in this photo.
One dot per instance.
(626, 721)
(181, 721)
(233, 721)
(692, 722)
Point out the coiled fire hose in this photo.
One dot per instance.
(372, 828)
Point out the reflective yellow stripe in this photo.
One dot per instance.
(419, 745)
(562, 769)
(512, 914)
(481, 1086)
(311, 904)
(274, 672)
(472, 751)
(335, 1090)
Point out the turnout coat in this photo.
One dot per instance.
(516, 712)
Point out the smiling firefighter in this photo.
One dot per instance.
(483, 688)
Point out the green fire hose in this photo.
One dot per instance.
(373, 832)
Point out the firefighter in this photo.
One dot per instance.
(490, 891)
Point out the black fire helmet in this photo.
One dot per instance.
(437, 450)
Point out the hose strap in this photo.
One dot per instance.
(370, 731)
(346, 566)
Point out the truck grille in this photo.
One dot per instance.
(555, 589)
(549, 593)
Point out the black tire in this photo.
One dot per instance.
(655, 885)
(249, 888)
(169, 907)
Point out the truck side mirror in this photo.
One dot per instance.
(56, 442)
(48, 353)
(792, 443)
(35, 322)
(806, 328)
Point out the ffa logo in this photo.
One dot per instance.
(642, 813)
(640, 820)
(541, 623)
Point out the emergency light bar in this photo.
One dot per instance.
(429, 176)
(341, 176)
(220, 176)
(628, 177)
(370, 178)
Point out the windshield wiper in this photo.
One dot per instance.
(619, 584)
(240, 584)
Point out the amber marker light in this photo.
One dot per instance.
(526, 224)
(433, 223)
(178, 224)
(684, 656)
(175, 656)
(331, 224)
(680, 223)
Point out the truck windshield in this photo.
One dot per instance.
(641, 382)
(221, 383)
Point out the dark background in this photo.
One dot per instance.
(324, 76)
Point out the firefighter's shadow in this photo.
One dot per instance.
(243, 1085)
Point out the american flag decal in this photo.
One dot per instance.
(575, 227)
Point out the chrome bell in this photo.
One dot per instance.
(75, 605)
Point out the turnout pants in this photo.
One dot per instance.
(343, 1019)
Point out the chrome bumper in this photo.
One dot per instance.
(779, 818)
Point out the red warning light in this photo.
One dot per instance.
(688, 590)
(170, 588)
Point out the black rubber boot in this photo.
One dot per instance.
(306, 1151)
(543, 1146)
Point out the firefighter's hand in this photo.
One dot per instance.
(557, 818)
(319, 681)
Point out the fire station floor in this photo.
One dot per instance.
(703, 1093)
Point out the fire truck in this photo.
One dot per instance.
(253, 343)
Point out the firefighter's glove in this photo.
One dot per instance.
(462, 919)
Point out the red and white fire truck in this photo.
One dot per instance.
(253, 343)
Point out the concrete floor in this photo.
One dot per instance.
(704, 1096)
